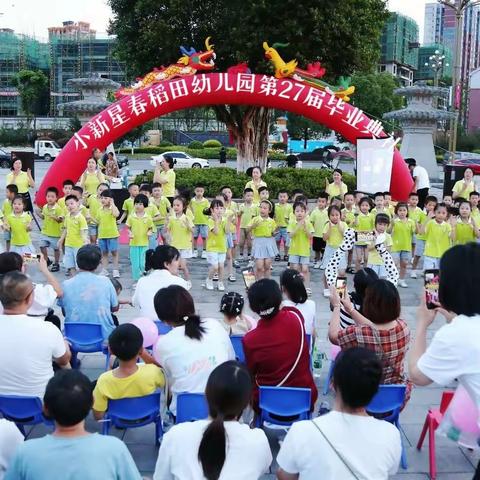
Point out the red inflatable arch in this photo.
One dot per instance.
(212, 89)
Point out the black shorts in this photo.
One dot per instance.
(318, 244)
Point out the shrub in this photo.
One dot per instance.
(279, 146)
(195, 145)
(212, 143)
(312, 181)
(165, 143)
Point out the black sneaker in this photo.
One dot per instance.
(285, 258)
(55, 267)
(49, 262)
(277, 258)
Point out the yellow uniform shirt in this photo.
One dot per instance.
(374, 257)
(416, 214)
(464, 233)
(20, 180)
(163, 206)
(7, 208)
(107, 223)
(348, 216)
(365, 223)
(197, 207)
(180, 229)
(334, 190)
(282, 214)
(247, 212)
(50, 226)
(319, 218)
(437, 238)
(255, 187)
(263, 227)
(18, 228)
(61, 204)
(143, 382)
(374, 212)
(458, 188)
(92, 181)
(152, 211)
(336, 237)
(217, 242)
(402, 235)
(476, 216)
(140, 227)
(169, 186)
(128, 206)
(93, 204)
(423, 222)
(75, 226)
(300, 240)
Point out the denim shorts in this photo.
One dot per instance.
(152, 241)
(47, 241)
(282, 235)
(7, 235)
(403, 256)
(419, 247)
(216, 258)
(70, 257)
(380, 270)
(200, 231)
(230, 243)
(108, 245)
(299, 260)
(93, 230)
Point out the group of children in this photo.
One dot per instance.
(208, 229)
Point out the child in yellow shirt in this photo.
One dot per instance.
(19, 224)
(67, 190)
(231, 211)
(52, 215)
(319, 217)
(198, 205)
(246, 211)
(11, 191)
(163, 205)
(283, 209)
(128, 205)
(362, 224)
(152, 210)
(93, 203)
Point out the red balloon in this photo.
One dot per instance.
(214, 89)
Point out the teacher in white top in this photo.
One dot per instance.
(421, 179)
(163, 263)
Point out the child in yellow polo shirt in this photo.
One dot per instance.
(129, 379)
(363, 223)
(140, 226)
(52, 215)
(19, 223)
(128, 205)
(152, 210)
(300, 231)
(163, 205)
(283, 209)
(67, 190)
(106, 219)
(11, 191)
(246, 211)
(319, 217)
(74, 234)
(198, 205)
(93, 205)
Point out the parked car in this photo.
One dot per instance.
(46, 150)
(5, 159)
(473, 163)
(325, 155)
(182, 160)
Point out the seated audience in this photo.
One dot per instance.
(294, 290)
(10, 439)
(71, 452)
(88, 297)
(380, 329)
(163, 266)
(276, 352)
(345, 443)
(28, 346)
(129, 379)
(193, 348)
(220, 447)
(44, 295)
(234, 320)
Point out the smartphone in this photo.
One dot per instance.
(341, 286)
(31, 257)
(431, 288)
(248, 277)
(365, 237)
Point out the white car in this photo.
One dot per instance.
(182, 160)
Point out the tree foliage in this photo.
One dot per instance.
(301, 128)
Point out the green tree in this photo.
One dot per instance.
(344, 36)
(374, 93)
(138, 133)
(301, 128)
(32, 88)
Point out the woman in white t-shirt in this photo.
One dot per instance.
(295, 292)
(346, 443)
(163, 266)
(221, 447)
(194, 346)
(455, 348)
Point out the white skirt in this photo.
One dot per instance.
(23, 249)
(264, 247)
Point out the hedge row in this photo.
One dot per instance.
(312, 181)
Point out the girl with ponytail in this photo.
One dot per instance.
(220, 447)
(194, 346)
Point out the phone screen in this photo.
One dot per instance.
(341, 286)
(248, 278)
(365, 237)
(31, 258)
(431, 288)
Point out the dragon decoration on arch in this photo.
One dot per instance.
(192, 61)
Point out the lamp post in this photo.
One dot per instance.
(458, 6)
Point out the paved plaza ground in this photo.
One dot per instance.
(453, 463)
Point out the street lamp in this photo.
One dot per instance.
(436, 62)
(458, 6)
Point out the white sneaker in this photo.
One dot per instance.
(116, 274)
(403, 284)
(316, 265)
(413, 274)
(209, 284)
(195, 253)
(326, 292)
(221, 287)
(104, 272)
(215, 277)
(204, 254)
(189, 284)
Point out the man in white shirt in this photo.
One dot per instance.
(421, 179)
(27, 346)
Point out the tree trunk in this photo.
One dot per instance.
(249, 129)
